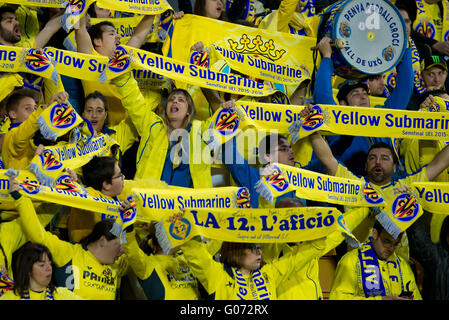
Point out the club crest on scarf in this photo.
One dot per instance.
(121, 60)
(130, 213)
(426, 28)
(64, 182)
(314, 120)
(76, 6)
(200, 59)
(405, 207)
(30, 187)
(48, 161)
(371, 195)
(242, 198)
(37, 61)
(6, 283)
(62, 116)
(277, 180)
(256, 47)
(179, 226)
(227, 122)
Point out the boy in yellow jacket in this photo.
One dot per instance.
(18, 149)
(375, 272)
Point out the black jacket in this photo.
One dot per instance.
(435, 260)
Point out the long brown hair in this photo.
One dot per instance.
(233, 253)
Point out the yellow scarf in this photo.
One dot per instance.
(255, 225)
(425, 17)
(17, 59)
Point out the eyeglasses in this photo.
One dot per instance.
(121, 175)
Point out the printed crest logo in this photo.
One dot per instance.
(279, 98)
(37, 61)
(371, 195)
(64, 182)
(107, 273)
(242, 198)
(48, 161)
(446, 36)
(62, 116)
(426, 28)
(314, 120)
(76, 6)
(180, 227)
(388, 53)
(227, 122)
(277, 180)
(256, 47)
(435, 107)
(405, 207)
(30, 187)
(200, 59)
(129, 214)
(121, 60)
(391, 80)
(345, 30)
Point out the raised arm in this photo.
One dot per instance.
(52, 26)
(324, 153)
(141, 32)
(83, 41)
(438, 164)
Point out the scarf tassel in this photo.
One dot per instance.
(263, 190)
(388, 224)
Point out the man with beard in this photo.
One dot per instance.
(10, 33)
(380, 164)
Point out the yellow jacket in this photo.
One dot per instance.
(162, 277)
(346, 285)
(222, 282)
(154, 141)
(11, 239)
(77, 268)
(18, 149)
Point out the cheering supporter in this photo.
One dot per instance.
(103, 176)
(393, 278)
(305, 283)
(348, 149)
(376, 86)
(162, 276)
(95, 11)
(210, 8)
(242, 274)
(380, 165)
(91, 269)
(34, 276)
(164, 149)
(10, 35)
(18, 148)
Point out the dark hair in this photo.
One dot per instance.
(233, 253)
(95, 95)
(379, 145)
(289, 202)
(150, 244)
(27, 255)
(97, 171)
(91, 10)
(267, 145)
(200, 7)
(13, 100)
(6, 9)
(437, 92)
(101, 228)
(96, 31)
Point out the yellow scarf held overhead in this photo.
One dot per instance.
(55, 159)
(38, 3)
(155, 202)
(190, 73)
(250, 225)
(264, 54)
(144, 7)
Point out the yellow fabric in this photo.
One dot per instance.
(154, 141)
(8, 82)
(18, 148)
(215, 278)
(346, 286)
(61, 293)
(88, 273)
(11, 239)
(173, 272)
(430, 21)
